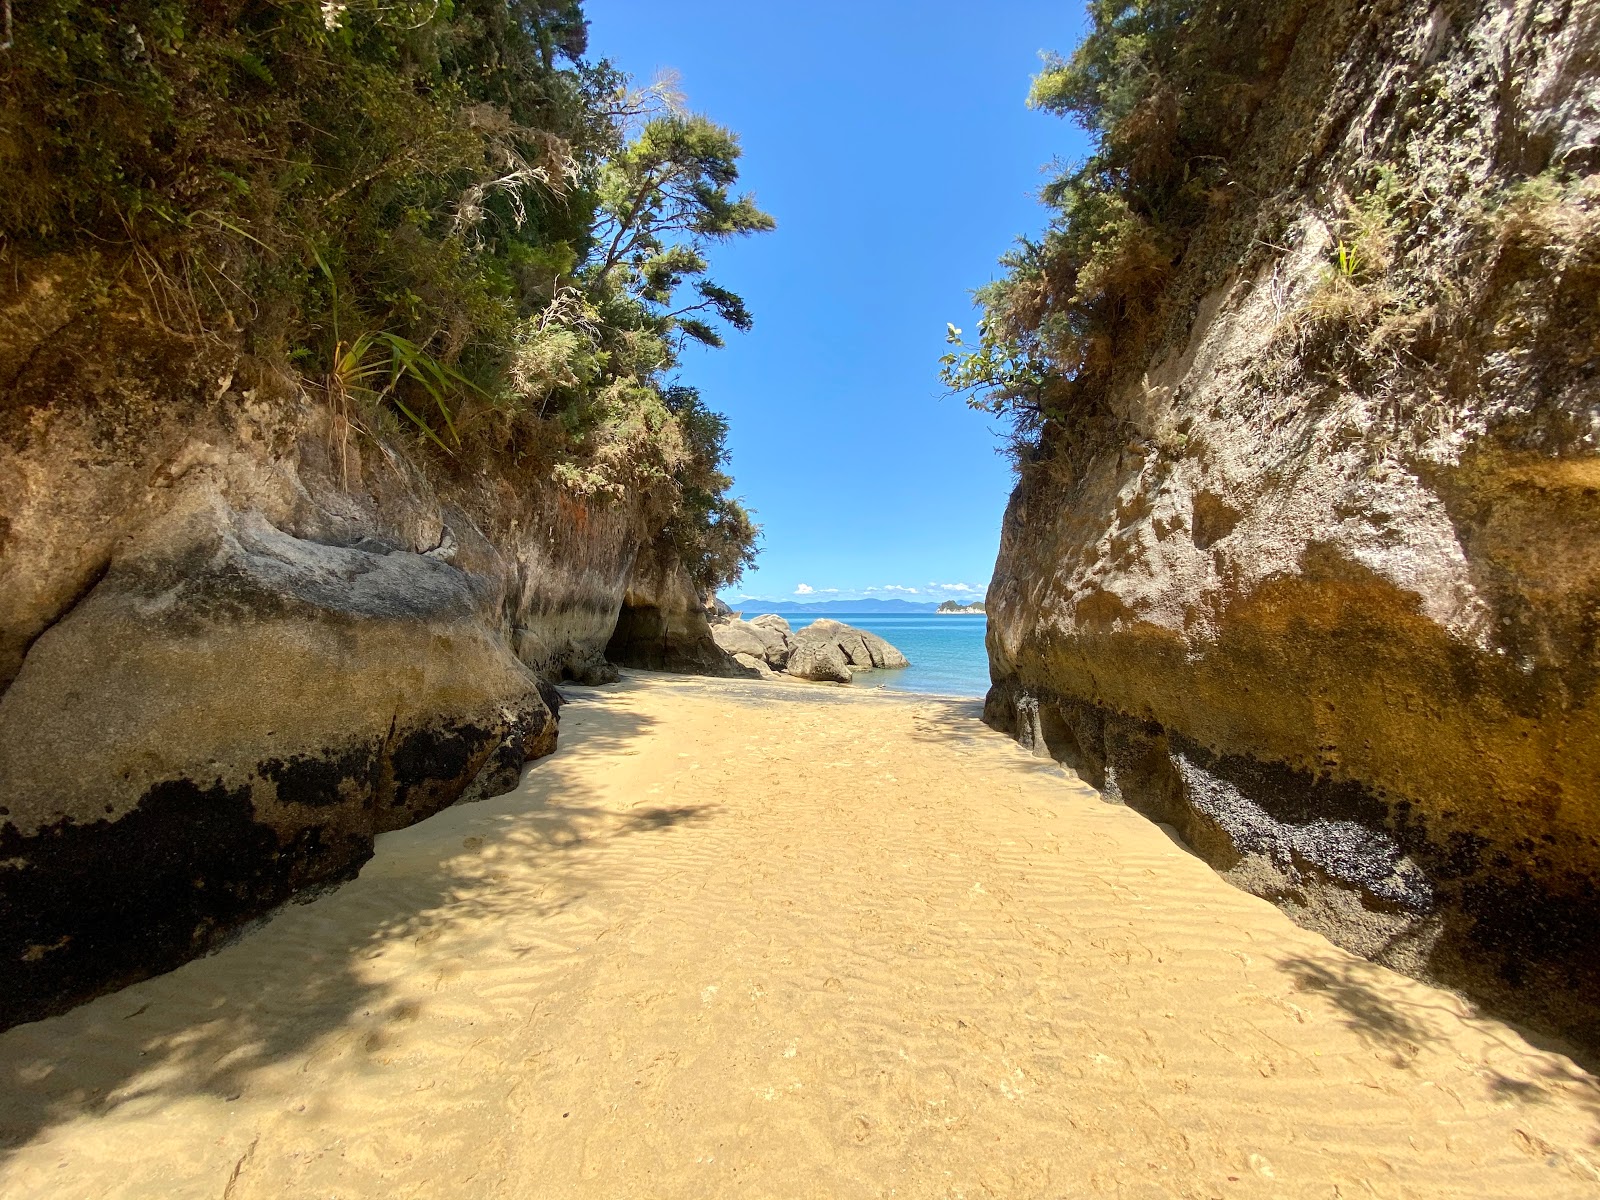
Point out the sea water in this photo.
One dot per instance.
(946, 650)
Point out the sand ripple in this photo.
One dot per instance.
(762, 940)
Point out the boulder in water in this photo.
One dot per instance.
(860, 648)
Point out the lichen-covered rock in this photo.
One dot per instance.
(1319, 585)
(819, 661)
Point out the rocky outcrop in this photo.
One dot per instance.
(823, 652)
(662, 625)
(1320, 588)
(754, 639)
(859, 648)
(239, 639)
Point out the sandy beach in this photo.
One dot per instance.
(773, 940)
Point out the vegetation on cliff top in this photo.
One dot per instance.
(1167, 112)
(1424, 236)
(443, 215)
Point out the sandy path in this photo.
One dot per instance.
(765, 940)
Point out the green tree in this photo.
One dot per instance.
(664, 199)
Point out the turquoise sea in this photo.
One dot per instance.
(946, 652)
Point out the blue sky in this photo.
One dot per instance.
(892, 143)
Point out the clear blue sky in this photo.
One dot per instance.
(892, 143)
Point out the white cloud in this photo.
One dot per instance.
(805, 589)
(957, 587)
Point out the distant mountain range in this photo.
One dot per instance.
(823, 607)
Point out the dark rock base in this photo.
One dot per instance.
(1364, 869)
(89, 907)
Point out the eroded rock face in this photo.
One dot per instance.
(230, 715)
(860, 649)
(662, 625)
(1330, 611)
(238, 639)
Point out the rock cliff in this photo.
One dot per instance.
(236, 643)
(1318, 581)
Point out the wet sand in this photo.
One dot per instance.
(767, 939)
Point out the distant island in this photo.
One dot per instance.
(953, 606)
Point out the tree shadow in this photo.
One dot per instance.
(1400, 1029)
(281, 987)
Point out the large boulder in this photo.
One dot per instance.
(756, 641)
(739, 637)
(231, 715)
(755, 666)
(773, 622)
(860, 649)
(820, 661)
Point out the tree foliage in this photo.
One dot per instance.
(447, 185)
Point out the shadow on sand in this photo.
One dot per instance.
(1400, 1029)
(279, 989)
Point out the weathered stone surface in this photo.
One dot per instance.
(773, 622)
(239, 638)
(662, 625)
(757, 666)
(1332, 617)
(860, 649)
(819, 661)
(739, 637)
(762, 641)
(232, 714)
(883, 655)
